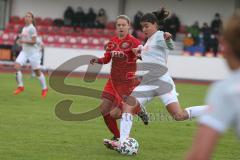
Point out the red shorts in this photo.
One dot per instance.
(116, 92)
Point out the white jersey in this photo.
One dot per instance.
(224, 105)
(156, 49)
(39, 44)
(27, 33)
(31, 53)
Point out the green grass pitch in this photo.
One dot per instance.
(30, 130)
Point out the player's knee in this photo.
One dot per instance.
(116, 115)
(128, 108)
(130, 101)
(179, 117)
(113, 115)
(104, 110)
(17, 66)
(37, 72)
(105, 106)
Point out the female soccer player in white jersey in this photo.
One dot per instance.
(223, 97)
(30, 51)
(155, 51)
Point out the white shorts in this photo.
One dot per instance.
(34, 59)
(143, 97)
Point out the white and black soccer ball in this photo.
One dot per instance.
(129, 147)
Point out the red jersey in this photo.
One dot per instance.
(123, 59)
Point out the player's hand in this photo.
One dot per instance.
(94, 60)
(137, 50)
(167, 35)
(19, 36)
(19, 42)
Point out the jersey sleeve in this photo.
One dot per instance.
(107, 55)
(221, 112)
(106, 59)
(136, 43)
(32, 32)
(168, 44)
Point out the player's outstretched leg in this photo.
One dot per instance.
(180, 114)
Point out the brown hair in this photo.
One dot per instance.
(33, 18)
(231, 33)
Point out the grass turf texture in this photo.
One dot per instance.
(30, 130)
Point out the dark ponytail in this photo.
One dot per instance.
(161, 14)
(156, 16)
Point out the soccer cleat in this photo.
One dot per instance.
(144, 116)
(18, 90)
(107, 144)
(112, 144)
(44, 92)
(105, 141)
(115, 138)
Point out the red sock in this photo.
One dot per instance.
(111, 123)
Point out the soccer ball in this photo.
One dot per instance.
(129, 147)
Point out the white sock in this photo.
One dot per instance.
(196, 111)
(19, 78)
(42, 81)
(33, 74)
(125, 126)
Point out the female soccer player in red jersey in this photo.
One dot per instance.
(122, 77)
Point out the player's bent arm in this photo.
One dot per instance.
(31, 42)
(106, 59)
(137, 51)
(170, 44)
(204, 143)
